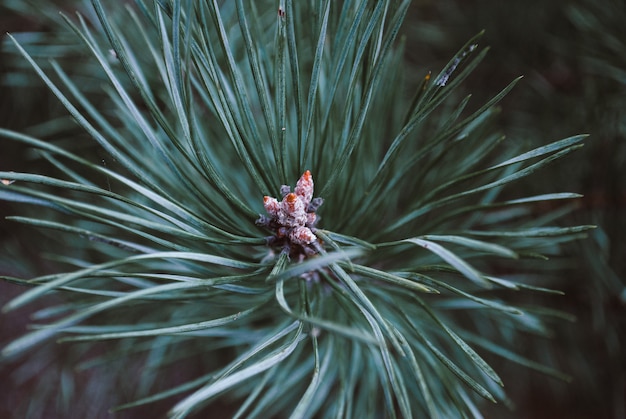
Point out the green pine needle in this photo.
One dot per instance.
(205, 108)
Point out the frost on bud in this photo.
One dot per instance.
(292, 211)
(293, 218)
(302, 235)
(271, 205)
(304, 187)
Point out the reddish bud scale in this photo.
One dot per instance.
(290, 202)
(271, 205)
(304, 187)
(302, 235)
(293, 218)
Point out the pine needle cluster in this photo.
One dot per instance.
(385, 301)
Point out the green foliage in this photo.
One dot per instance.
(206, 108)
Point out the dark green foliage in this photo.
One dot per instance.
(429, 259)
(571, 53)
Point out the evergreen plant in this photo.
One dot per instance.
(275, 210)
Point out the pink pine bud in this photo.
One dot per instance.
(292, 211)
(293, 217)
(302, 236)
(272, 206)
(304, 187)
(291, 203)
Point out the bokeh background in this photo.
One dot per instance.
(572, 55)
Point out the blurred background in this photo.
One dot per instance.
(572, 55)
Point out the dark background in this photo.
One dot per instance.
(573, 58)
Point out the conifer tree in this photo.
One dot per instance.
(275, 210)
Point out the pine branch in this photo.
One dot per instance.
(368, 305)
